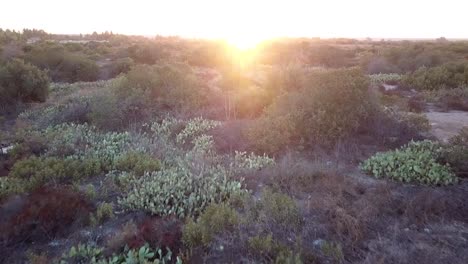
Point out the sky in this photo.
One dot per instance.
(259, 19)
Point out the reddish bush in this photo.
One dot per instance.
(46, 213)
(158, 232)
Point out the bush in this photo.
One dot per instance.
(394, 128)
(279, 209)
(385, 78)
(20, 81)
(177, 192)
(122, 65)
(62, 65)
(168, 86)
(70, 112)
(456, 153)
(93, 254)
(416, 162)
(104, 211)
(447, 76)
(332, 105)
(36, 171)
(86, 142)
(217, 218)
(46, 213)
(449, 99)
(138, 163)
(32, 144)
(75, 68)
(266, 228)
(10, 186)
(194, 175)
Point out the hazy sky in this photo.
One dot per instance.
(254, 19)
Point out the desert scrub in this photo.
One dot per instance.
(172, 86)
(332, 105)
(183, 131)
(137, 163)
(455, 98)
(446, 76)
(84, 141)
(195, 127)
(86, 253)
(416, 122)
(36, 171)
(10, 186)
(217, 218)
(387, 78)
(278, 209)
(176, 191)
(416, 162)
(251, 161)
(193, 175)
(456, 153)
(266, 228)
(103, 212)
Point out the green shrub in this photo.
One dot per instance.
(385, 78)
(414, 121)
(194, 175)
(288, 257)
(416, 162)
(103, 212)
(20, 81)
(279, 209)
(267, 228)
(62, 65)
(82, 253)
(216, 219)
(333, 250)
(251, 161)
(138, 163)
(122, 65)
(272, 134)
(10, 186)
(95, 255)
(169, 85)
(86, 142)
(262, 244)
(449, 99)
(176, 191)
(90, 192)
(450, 75)
(40, 170)
(332, 105)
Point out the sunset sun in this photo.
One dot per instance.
(243, 42)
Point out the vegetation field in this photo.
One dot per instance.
(126, 149)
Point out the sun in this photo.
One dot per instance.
(243, 43)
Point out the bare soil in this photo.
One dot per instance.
(447, 124)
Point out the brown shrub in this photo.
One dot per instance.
(156, 231)
(346, 226)
(47, 212)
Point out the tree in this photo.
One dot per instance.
(20, 81)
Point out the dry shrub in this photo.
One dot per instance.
(429, 205)
(299, 176)
(46, 213)
(118, 241)
(425, 205)
(156, 231)
(346, 226)
(230, 136)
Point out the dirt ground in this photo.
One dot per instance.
(447, 124)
